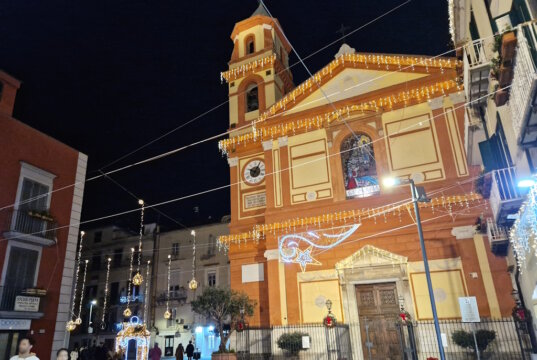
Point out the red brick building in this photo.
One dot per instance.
(39, 219)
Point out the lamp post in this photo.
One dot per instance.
(418, 195)
(90, 323)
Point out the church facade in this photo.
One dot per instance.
(311, 220)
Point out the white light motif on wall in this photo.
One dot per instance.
(290, 251)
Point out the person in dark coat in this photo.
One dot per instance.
(189, 350)
(180, 352)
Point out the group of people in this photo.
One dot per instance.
(155, 353)
(95, 352)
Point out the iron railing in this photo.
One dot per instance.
(8, 297)
(504, 194)
(175, 295)
(511, 340)
(31, 222)
(477, 60)
(498, 237)
(386, 338)
(284, 342)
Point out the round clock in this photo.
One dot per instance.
(254, 172)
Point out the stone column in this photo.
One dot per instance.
(276, 288)
(285, 170)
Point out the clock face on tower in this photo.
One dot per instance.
(254, 172)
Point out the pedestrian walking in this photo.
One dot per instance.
(189, 350)
(180, 352)
(155, 353)
(25, 350)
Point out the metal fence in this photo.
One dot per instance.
(511, 340)
(384, 340)
(313, 341)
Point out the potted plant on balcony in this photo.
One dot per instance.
(224, 306)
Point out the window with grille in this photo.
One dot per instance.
(175, 249)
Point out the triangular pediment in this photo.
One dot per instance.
(370, 255)
(352, 82)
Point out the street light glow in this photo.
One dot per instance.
(526, 183)
(199, 330)
(93, 302)
(390, 181)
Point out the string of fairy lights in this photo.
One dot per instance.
(229, 132)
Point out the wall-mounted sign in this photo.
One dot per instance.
(255, 200)
(469, 310)
(15, 324)
(27, 303)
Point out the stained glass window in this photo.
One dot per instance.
(359, 167)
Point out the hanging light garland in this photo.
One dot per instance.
(523, 234)
(193, 284)
(127, 312)
(78, 319)
(167, 313)
(138, 278)
(417, 95)
(353, 216)
(240, 71)
(105, 300)
(147, 285)
(71, 324)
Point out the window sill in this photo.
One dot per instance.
(30, 239)
(20, 315)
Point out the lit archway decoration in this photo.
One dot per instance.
(133, 330)
(290, 251)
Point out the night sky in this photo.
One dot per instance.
(106, 77)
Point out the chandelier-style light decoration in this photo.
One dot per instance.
(127, 312)
(167, 313)
(147, 285)
(138, 278)
(193, 284)
(105, 301)
(71, 324)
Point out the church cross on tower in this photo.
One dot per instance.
(343, 31)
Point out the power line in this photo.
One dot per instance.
(171, 152)
(227, 101)
(237, 183)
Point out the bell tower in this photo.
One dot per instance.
(258, 74)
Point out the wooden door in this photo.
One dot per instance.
(378, 309)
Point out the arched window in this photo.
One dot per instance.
(252, 100)
(250, 46)
(359, 168)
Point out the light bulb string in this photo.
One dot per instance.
(147, 284)
(77, 273)
(83, 287)
(141, 235)
(105, 301)
(194, 256)
(130, 280)
(168, 295)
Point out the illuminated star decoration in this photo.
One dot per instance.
(303, 258)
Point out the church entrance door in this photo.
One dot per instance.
(378, 309)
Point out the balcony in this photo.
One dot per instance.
(523, 105)
(498, 238)
(505, 196)
(477, 56)
(31, 226)
(474, 133)
(179, 295)
(21, 303)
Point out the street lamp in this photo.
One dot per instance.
(92, 304)
(418, 195)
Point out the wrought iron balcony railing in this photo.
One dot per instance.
(26, 302)
(32, 225)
